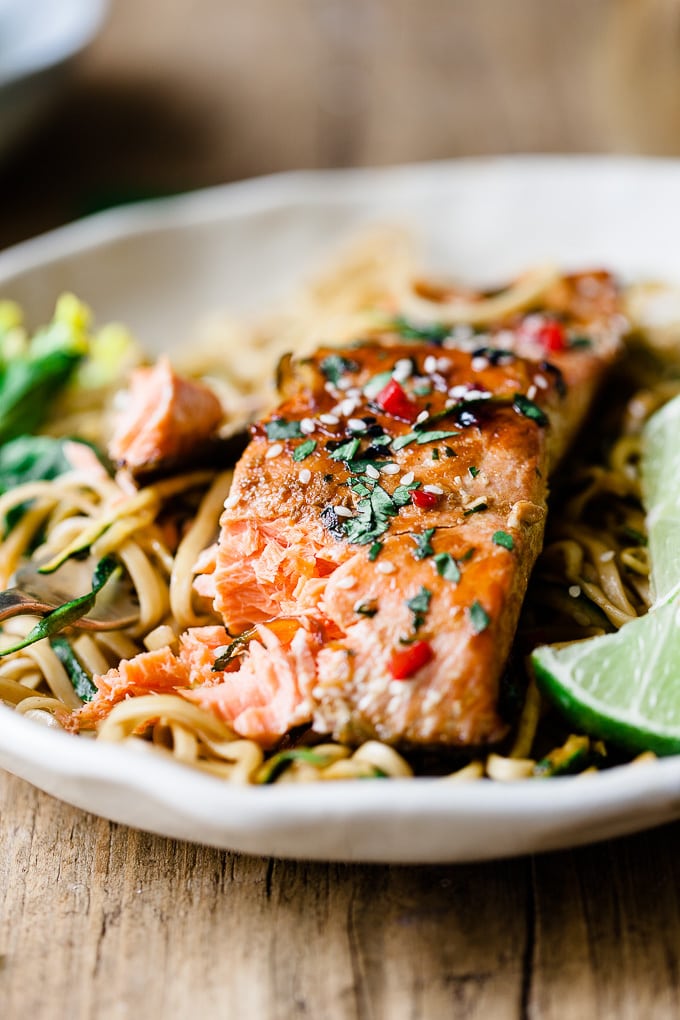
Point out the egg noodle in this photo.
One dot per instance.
(591, 577)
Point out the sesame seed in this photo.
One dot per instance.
(407, 478)
(458, 391)
(329, 388)
(347, 407)
(356, 425)
(436, 490)
(305, 476)
(354, 392)
(343, 384)
(329, 419)
(347, 582)
(372, 472)
(402, 370)
(607, 557)
(423, 416)
(390, 469)
(443, 364)
(541, 382)
(430, 364)
(342, 511)
(479, 364)
(458, 480)
(307, 426)
(385, 567)
(274, 451)
(531, 392)
(477, 395)
(575, 591)
(231, 502)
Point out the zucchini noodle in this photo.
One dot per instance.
(592, 576)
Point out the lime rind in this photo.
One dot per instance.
(623, 687)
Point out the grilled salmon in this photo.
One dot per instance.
(389, 513)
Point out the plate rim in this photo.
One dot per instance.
(251, 809)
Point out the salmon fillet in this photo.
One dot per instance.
(382, 525)
(411, 519)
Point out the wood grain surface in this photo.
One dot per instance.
(99, 921)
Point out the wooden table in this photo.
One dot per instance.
(97, 920)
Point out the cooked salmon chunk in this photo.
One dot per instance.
(165, 417)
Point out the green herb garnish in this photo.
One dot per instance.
(479, 618)
(346, 451)
(476, 509)
(447, 567)
(70, 612)
(304, 449)
(335, 366)
(81, 681)
(420, 606)
(474, 471)
(504, 539)
(434, 435)
(433, 332)
(279, 428)
(375, 551)
(423, 544)
(272, 769)
(529, 409)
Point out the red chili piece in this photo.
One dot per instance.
(551, 336)
(406, 662)
(394, 401)
(424, 500)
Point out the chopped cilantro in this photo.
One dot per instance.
(401, 441)
(422, 390)
(434, 435)
(580, 341)
(504, 539)
(402, 494)
(449, 452)
(358, 467)
(366, 608)
(375, 551)
(434, 332)
(468, 555)
(304, 449)
(377, 383)
(346, 451)
(529, 409)
(335, 366)
(356, 485)
(420, 606)
(423, 544)
(435, 454)
(479, 618)
(279, 428)
(447, 567)
(474, 471)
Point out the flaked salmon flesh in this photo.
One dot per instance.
(379, 519)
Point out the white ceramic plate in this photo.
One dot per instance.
(161, 267)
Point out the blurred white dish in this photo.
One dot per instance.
(38, 39)
(163, 265)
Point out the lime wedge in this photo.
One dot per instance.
(660, 470)
(623, 687)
